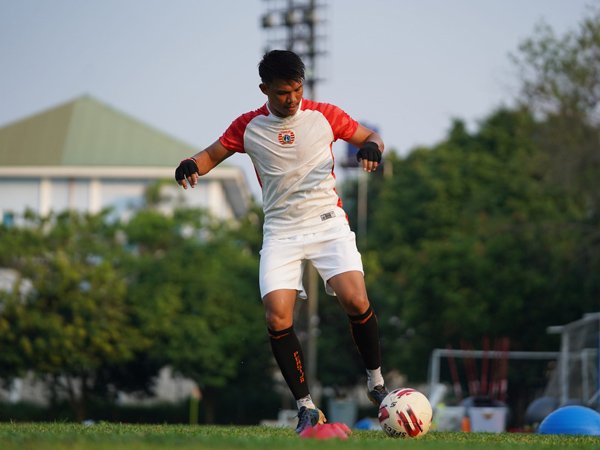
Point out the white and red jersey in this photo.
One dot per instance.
(293, 158)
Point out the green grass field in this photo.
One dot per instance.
(110, 436)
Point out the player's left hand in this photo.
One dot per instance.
(370, 156)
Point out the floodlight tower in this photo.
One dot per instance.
(297, 25)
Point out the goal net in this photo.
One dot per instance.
(575, 379)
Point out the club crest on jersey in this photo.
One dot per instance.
(286, 137)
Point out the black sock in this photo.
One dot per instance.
(288, 354)
(365, 332)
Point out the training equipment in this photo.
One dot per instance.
(336, 430)
(572, 419)
(405, 413)
(539, 409)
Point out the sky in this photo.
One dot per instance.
(189, 67)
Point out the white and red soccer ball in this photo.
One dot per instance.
(405, 413)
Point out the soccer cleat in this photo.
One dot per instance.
(377, 394)
(309, 418)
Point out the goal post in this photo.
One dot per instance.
(439, 353)
(577, 375)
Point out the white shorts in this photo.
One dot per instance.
(331, 252)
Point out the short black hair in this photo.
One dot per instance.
(281, 65)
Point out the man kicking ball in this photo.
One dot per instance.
(289, 140)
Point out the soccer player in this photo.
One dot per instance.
(289, 140)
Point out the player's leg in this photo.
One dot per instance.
(280, 284)
(352, 295)
(279, 311)
(338, 261)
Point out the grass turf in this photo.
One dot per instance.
(110, 436)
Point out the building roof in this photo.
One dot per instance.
(86, 132)
(86, 136)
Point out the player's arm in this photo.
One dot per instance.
(370, 147)
(190, 169)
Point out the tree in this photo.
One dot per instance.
(561, 84)
(75, 320)
(200, 275)
(471, 242)
(111, 303)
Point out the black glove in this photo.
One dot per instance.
(186, 168)
(369, 151)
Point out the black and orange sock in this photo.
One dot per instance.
(365, 332)
(288, 354)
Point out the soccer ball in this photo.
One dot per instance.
(405, 413)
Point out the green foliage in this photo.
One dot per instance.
(559, 74)
(203, 287)
(561, 83)
(495, 232)
(475, 244)
(345, 369)
(74, 319)
(196, 291)
(111, 303)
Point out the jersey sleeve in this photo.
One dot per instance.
(341, 123)
(233, 137)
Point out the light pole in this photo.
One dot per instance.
(297, 26)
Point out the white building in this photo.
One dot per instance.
(86, 156)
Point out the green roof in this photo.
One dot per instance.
(87, 132)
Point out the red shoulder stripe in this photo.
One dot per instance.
(233, 137)
(341, 123)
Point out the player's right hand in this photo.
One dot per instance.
(187, 172)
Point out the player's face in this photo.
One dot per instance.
(284, 96)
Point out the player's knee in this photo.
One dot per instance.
(356, 303)
(277, 322)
